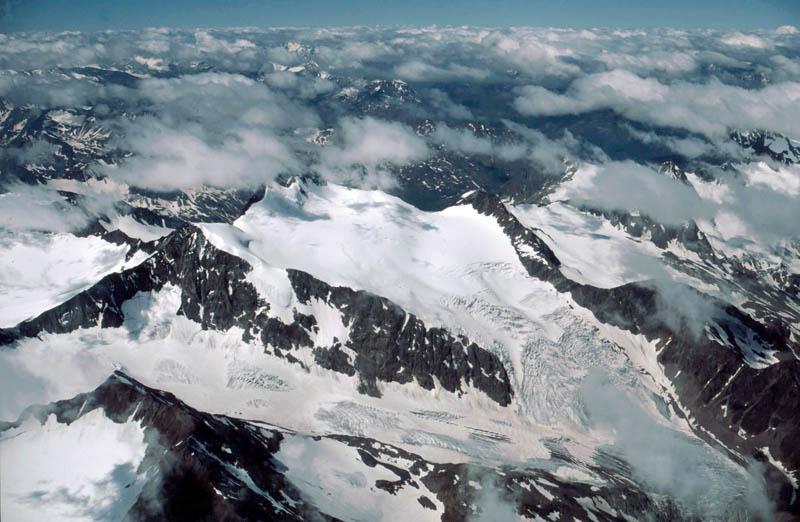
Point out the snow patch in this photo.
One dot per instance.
(40, 271)
(87, 470)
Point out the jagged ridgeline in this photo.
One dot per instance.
(385, 273)
(732, 398)
(386, 343)
(199, 466)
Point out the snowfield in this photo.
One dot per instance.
(400, 273)
(85, 471)
(456, 269)
(592, 250)
(39, 271)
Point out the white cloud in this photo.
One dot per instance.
(442, 101)
(462, 140)
(629, 186)
(417, 70)
(529, 145)
(218, 99)
(784, 180)
(711, 108)
(745, 40)
(365, 149)
(786, 29)
(243, 120)
(369, 141)
(35, 208)
(208, 43)
(676, 62)
(303, 86)
(761, 209)
(166, 158)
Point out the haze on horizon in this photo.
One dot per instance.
(96, 15)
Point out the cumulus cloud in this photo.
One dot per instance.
(526, 144)
(462, 140)
(760, 207)
(232, 107)
(35, 152)
(303, 86)
(235, 108)
(441, 101)
(712, 109)
(786, 29)
(371, 141)
(166, 158)
(217, 100)
(746, 40)
(629, 186)
(416, 70)
(35, 208)
(215, 129)
(688, 146)
(50, 89)
(374, 145)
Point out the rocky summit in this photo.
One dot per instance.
(384, 273)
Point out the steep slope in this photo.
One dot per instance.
(178, 463)
(736, 379)
(42, 270)
(378, 340)
(197, 316)
(188, 465)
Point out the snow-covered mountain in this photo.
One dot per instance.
(396, 274)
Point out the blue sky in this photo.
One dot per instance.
(92, 15)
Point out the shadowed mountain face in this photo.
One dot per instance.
(189, 469)
(198, 466)
(730, 399)
(389, 344)
(417, 274)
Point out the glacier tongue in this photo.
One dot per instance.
(454, 268)
(188, 319)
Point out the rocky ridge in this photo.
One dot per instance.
(746, 407)
(385, 342)
(199, 466)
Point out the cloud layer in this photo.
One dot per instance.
(235, 108)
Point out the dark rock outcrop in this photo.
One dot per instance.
(390, 344)
(473, 490)
(196, 463)
(203, 467)
(688, 235)
(745, 406)
(777, 147)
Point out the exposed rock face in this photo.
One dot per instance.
(80, 140)
(770, 292)
(170, 209)
(777, 147)
(392, 345)
(746, 406)
(431, 184)
(473, 490)
(195, 462)
(180, 259)
(118, 237)
(199, 466)
(389, 344)
(689, 235)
